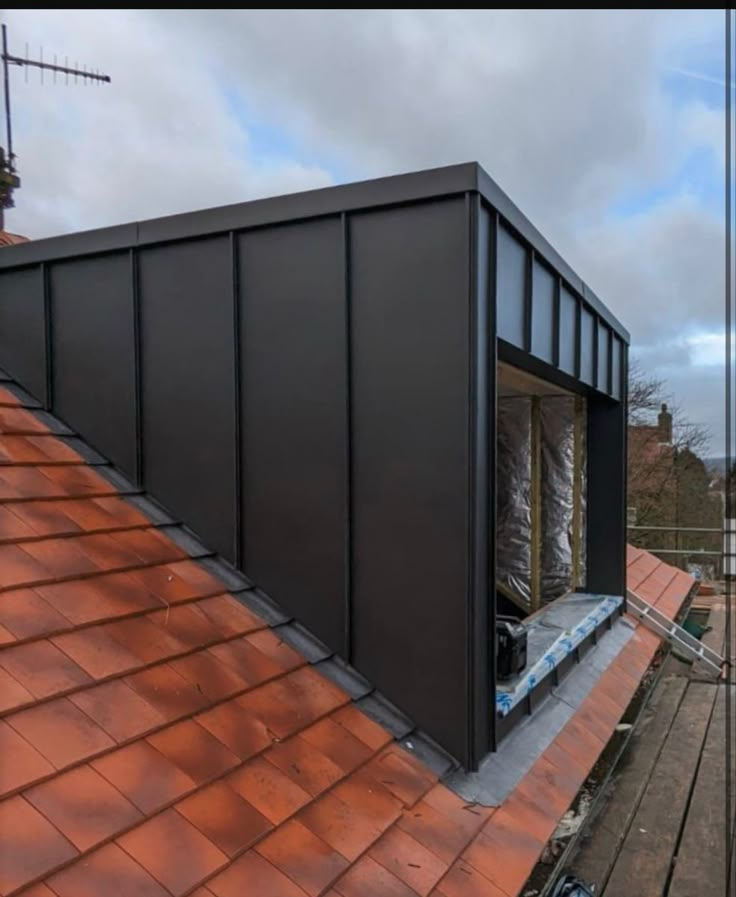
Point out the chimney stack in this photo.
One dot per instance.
(664, 425)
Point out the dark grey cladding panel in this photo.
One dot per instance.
(511, 288)
(587, 346)
(410, 329)
(543, 312)
(568, 331)
(604, 335)
(294, 420)
(617, 365)
(188, 385)
(93, 346)
(22, 329)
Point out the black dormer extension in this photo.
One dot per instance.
(310, 383)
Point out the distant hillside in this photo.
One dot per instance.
(716, 465)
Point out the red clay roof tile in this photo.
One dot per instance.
(272, 646)
(229, 616)
(213, 678)
(101, 598)
(30, 846)
(302, 763)
(268, 789)
(21, 762)
(408, 860)
(343, 825)
(193, 858)
(25, 614)
(251, 872)
(119, 710)
(247, 661)
(367, 878)
(13, 527)
(467, 817)
(61, 558)
(434, 830)
(167, 691)
(227, 819)
(336, 743)
(83, 806)
(18, 568)
(145, 776)
(39, 890)
(306, 859)
(61, 732)
(503, 856)
(401, 774)
(43, 668)
(463, 880)
(19, 421)
(12, 693)
(362, 727)
(187, 624)
(45, 518)
(194, 750)
(108, 871)
(96, 652)
(244, 735)
(148, 642)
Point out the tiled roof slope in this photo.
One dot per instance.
(157, 739)
(8, 239)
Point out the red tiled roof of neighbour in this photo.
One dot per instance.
(8, 239)
(158, 739)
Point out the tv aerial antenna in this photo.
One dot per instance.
(9, 180)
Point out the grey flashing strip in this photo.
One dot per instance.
(55, 426)
(186, 540)
(152, 509)
(261, 604)
(345, 677)
(85, 451)
(431, 754)
(117, 479)
(501, 772)
(386, 714)
(25, 398)
(234, 580)
(302, 640)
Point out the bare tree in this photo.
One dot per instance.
(645, 394)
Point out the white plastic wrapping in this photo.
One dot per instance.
(557, 415)
(513, 496)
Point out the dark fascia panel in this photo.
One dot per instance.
(395, 190)
(495, 197)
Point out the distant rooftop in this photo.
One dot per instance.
(8, 239)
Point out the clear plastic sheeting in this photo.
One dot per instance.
(552, 527)
(583, 451)
(513, 497)
(557, 448)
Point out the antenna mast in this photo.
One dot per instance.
(9, 180)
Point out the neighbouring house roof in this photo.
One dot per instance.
(645, 444)
(158, 739)
(8, 239)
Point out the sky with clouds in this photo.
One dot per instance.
(605, 127)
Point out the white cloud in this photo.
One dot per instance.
(159, 139)
(567, 110)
